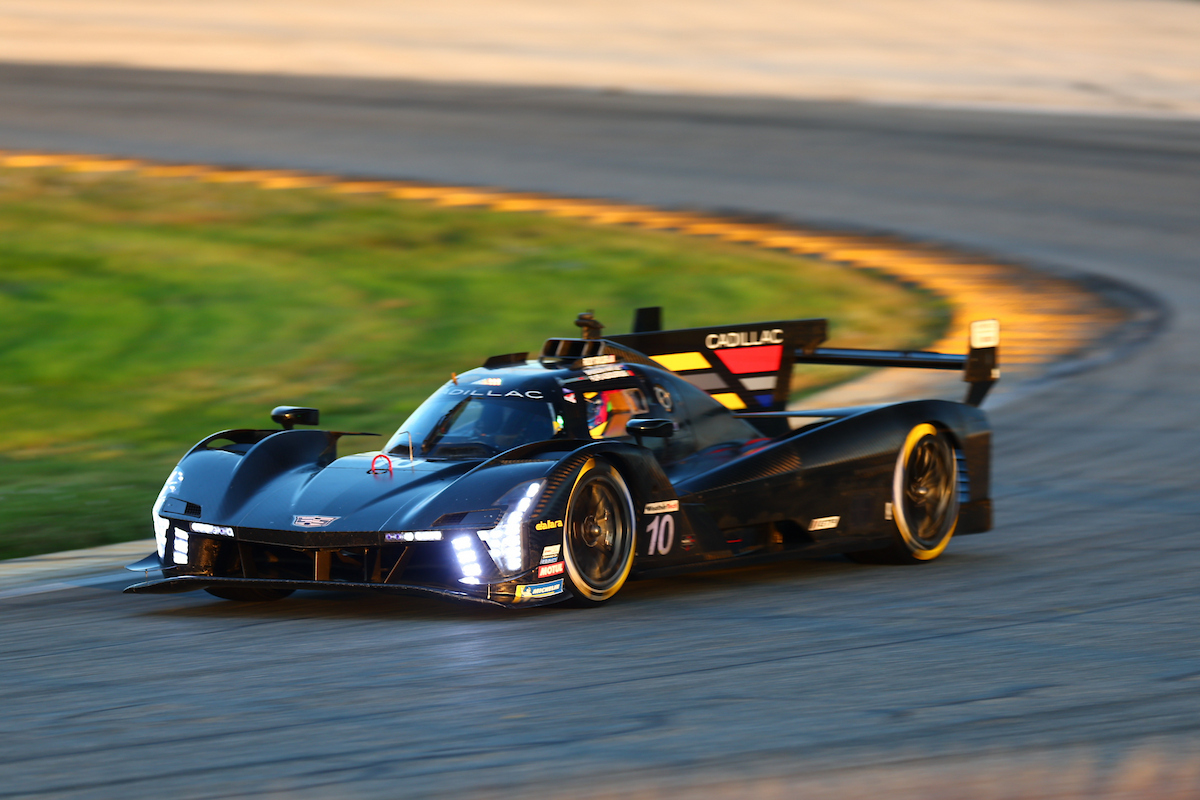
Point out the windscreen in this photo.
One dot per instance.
(453, 426)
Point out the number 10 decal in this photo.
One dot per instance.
(662, 534)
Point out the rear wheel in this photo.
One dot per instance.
(248, 594)
(924, 499)
(598, 536)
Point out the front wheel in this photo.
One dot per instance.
(598, 536)
(924, 499)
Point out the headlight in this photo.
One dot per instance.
(468, 559)
(504, 541)
(213, 530)
(180, 549)
(161, 525)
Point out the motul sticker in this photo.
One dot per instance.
(824, 523)
(661, 507)
(550, 570)
(312, 522)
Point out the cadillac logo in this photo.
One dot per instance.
(312, 522)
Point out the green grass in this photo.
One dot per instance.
(139, 315)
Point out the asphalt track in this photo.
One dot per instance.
(1069, 633)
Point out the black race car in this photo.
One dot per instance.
(558, 478)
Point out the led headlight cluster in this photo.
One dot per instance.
(504, 540)
(214, 530)
(180, 549)
(413, 536)
(161, 524)
(468, 559)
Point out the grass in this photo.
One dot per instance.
(139, 315)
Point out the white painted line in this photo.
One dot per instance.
(74, 583)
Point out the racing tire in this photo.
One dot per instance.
(598, 534)
(247, 594)
(924, 500)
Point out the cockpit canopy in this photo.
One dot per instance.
(472, 421)
(489, 411)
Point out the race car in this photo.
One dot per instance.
(530, 481)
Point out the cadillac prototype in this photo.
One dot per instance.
(559, 477)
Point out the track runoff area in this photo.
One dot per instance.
(1044, 319)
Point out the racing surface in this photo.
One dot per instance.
(1067, 634)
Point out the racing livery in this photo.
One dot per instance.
(530, 481)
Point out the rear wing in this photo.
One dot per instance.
(749, 367)
(980, 364)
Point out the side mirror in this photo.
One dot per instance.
(656, 428)
(289, 416)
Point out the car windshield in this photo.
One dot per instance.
(453, 426)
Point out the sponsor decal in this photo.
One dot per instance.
(532, 394)
(489, 382)
(687, 542)
(887, 510)
(312, 521)
(595, 361)
(824, 523)
(547, 524)
(550, 553)
(537, 590)
(550, 570)
(598, 374)
(662, 535)
(661, 507)
(715, 341)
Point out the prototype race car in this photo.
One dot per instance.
(533, 481)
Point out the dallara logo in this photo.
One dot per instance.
(548, 524)
(312, 522)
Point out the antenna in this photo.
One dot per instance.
(590, 325)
